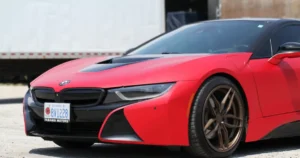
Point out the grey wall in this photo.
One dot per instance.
(214, 9)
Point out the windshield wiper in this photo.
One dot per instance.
(170, 53)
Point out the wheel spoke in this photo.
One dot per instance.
(220, 136)
(230, 103)
(233, 117)
(224, 118)
(226, 136)
(231, 126)
(225, 99)
(209, 123)
(213, 132)
(217, 103)
(212, 106)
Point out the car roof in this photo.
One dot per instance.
(256, 19)
(272, 22)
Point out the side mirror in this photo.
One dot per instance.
(287, 50)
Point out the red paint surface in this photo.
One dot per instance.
(271, 91)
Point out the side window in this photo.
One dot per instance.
(265, 51)
(286, 34)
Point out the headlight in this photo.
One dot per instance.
(136, 93)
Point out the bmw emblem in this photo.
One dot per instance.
(64, 82)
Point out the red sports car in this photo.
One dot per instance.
(204, 87)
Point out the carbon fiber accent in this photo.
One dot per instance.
(118, 128)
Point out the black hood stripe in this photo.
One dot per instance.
(115, 62)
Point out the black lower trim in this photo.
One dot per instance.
(77, 97)
(118, 128)
(29, 122)
(51, 137)
(80, 114)
(85, 122)
(287, 130)
(87, 128)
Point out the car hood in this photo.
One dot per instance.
(109, 72)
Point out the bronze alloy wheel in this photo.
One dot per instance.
(223, 116)
(217, 118)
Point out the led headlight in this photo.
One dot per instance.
(136, 93)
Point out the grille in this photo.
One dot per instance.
(77, 97)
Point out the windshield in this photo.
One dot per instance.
(206, 37)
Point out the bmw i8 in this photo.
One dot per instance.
(205, 87)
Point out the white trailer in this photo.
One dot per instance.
(36, 35)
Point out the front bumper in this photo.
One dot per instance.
(159, 121)
(84, 125)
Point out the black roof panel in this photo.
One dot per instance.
(257, 19)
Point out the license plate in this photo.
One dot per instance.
(57, 112)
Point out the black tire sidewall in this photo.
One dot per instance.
(195, 123)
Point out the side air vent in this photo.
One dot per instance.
(110, 61)
(126, 60)
(114, 63)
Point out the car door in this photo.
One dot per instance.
(278, 86)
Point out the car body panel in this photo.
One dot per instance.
(163, 120)
(261, 128)
(164, 69)
(278, 85)
(270, 93)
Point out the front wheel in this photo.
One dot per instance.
(73, 144)
(217, 119)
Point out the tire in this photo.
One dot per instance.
(72, 144)
(201, 143)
